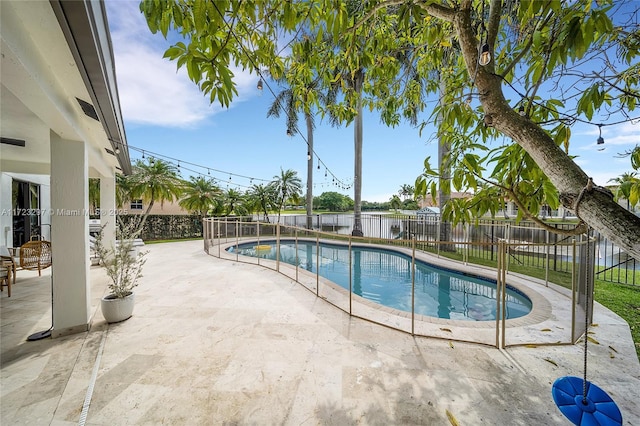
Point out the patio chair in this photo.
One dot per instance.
(35, 255)
(5, 279)
(7, 260)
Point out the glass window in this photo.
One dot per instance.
(136, 205)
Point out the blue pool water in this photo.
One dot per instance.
(384, 276)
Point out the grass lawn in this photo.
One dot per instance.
(624, 301)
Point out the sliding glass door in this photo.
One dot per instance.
(26, 211)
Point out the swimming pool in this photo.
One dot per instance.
(384, 276)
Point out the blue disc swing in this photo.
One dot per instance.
(582, 402)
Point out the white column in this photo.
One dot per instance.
(108, 210)
(70, 236)
(6, 215)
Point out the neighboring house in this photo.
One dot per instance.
(166, 208)
(428, 213)
(428, 201)
(60, 124)
(510, 209)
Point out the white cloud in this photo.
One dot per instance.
(150, 90)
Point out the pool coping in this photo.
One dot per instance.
(548, 313)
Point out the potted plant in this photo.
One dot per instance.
(123, 264)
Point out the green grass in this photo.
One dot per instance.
(624, 301)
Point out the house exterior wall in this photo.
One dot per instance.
(167, 208)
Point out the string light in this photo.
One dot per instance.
(290, 131)
(600, 140)
(485, 55)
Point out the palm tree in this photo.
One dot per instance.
(123, 190)
(234, 202)
(262, 198)
(154, 181)
(287, 186)
(625, 185)
(406, 191)
(395, 202)
(94, 194)
(199, 195)
(285, 102)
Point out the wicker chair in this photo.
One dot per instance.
(35, 255)
(5, 279)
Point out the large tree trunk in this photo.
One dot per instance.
(309, 121)
(357, 165)
(596, 207)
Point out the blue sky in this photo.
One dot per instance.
(165, 113)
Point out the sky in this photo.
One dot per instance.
(165, 114)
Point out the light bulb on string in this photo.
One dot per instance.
(485, 55)
(522, 111)
(117, 150)
(259, 86)
(143, 154)
(600, 140)
(308, 156)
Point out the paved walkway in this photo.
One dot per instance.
(217, 342)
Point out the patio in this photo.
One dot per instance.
(218, 342)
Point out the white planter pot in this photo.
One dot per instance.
(117, 309)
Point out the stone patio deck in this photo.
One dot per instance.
(219, 342)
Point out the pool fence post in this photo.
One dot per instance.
(297, 258)
(467, 239)
(237, 241)
(438, 235)
(258, 237)
(508, 237)
(498, 279)
(504, 305)
(573, 293)
(546, 266)
(278, 247)
(350, 279)
(413, 285)
(318, 264)
(219, 242)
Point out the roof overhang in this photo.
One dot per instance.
(58, 74)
